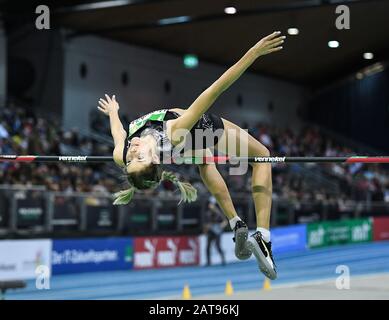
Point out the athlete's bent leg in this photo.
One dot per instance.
(259, 242)
(217, 187)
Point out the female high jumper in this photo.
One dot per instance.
(139, 150)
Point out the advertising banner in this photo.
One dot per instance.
(288, 239)
(381, 228)
(87, 255)
(20, 258)
(339, 232)
(284, 239)
(160, 252)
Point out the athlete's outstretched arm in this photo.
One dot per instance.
(268, 44)
(110, 107)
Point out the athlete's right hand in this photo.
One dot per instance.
(108, 105)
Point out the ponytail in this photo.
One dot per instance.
(124, 196)
(188, 192)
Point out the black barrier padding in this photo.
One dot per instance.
(4, 211)
(30, 211)
(167, 217)
(138, 218)
(66, 216)
(191, 217)
(101, 218)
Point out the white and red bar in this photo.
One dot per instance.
(14, 158)
(201, 160)
(368, 160)
(353, 159)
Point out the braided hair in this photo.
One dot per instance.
(150, 179)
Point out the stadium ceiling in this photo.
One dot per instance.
(201, 27)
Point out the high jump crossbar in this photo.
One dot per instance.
(202, 160)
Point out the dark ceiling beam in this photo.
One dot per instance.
(24, 15)
(171, 21)
(98, 5)
(20, 21)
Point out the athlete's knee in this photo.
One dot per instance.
(259, 150)
(264, 189)
(262, 152)
(265, 152)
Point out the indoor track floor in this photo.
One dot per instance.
(310, 274)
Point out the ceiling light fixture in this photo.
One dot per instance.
(230, 10)
(293, 31)
(333, 44)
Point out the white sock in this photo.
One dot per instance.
(233, 222)
(265, 234)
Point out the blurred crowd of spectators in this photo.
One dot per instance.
(354, 181)
(22, 132)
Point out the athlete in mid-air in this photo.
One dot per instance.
(139, 150)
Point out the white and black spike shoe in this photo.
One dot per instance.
(263, 253)
(241, 234)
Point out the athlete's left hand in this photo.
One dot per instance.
(271, 43)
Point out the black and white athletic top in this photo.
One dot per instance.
(154, 123)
